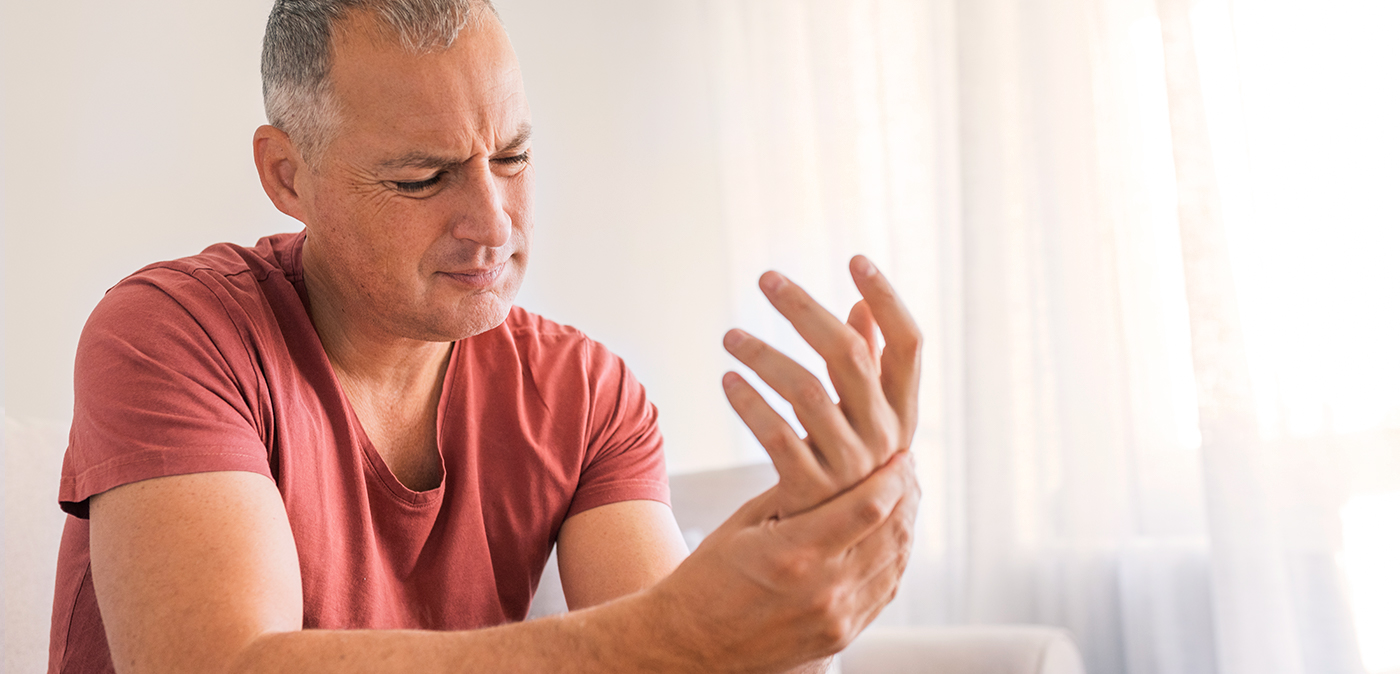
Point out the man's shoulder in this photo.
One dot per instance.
(277, 254)
(226, 293)
(526, 327)
(540, 340)
(522, 322)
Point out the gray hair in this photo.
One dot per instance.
(296, 57)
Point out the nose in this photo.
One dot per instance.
(481, 215)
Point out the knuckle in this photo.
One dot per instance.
(836, 629)
(826, 607)
(903, 540)
(811, 394)
(855, 349)
(869, 513)
(903, 535)
(882, 440)
(832, 637)
(771, 437)
(825, 604)
(791, 567)
(901, 562)
(909, 344)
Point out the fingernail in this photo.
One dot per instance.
(771, 281)
(734, 338)
(731, 379)
(863, 266)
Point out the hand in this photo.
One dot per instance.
(878, 388)
(799, 571)
(764, 595)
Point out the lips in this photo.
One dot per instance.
(481, 277)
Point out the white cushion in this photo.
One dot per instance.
(992, 649)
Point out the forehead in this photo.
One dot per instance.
(455, 100)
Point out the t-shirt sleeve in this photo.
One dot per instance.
(624, 460)
(163, 385)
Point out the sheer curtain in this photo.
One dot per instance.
(1140, 422)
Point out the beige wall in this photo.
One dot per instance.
(126, 140)
(132, 145)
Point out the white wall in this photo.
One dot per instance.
(629, 245)
(127, 132)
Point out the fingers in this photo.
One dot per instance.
(878, 563)
(872, 597)
(877, 388)
(889, 544)
(899, 362)
(824, 421)
(804, 480)
(846, 352)
(863, 322)
(849, 518)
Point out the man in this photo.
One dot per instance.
(345, 450)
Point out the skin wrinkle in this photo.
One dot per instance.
(427, 160)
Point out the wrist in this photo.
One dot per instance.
(655, 630)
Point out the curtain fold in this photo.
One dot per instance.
(1253, 612)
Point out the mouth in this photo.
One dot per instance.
(479, 278)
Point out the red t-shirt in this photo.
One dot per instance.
(211, 363)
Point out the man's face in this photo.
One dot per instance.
(419, 213)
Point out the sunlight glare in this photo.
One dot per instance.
(1371, 558)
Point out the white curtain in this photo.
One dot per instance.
(1085, 203)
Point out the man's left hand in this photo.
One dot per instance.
(877, 388)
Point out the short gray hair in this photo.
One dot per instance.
(296, 57)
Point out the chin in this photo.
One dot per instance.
(469, 321)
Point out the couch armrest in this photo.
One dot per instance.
(1006, 649)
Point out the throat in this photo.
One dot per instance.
(399, 418)
(411, 454)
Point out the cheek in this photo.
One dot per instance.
(379, 250)
(520, 197)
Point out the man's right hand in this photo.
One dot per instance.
(763, 594)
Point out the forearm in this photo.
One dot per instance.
(626, 635)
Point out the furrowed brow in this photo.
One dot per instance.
(420, 160)
(521, 137)
(425, 160)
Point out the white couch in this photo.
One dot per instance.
(703, 500)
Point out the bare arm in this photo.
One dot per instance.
(594, 568)
(198, 573)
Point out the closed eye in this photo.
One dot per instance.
(521, 158)
(418, 185)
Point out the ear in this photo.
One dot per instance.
(279, 164)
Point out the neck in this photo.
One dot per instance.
(366, 356)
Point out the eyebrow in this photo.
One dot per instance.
(521, 137)
(427, 160)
